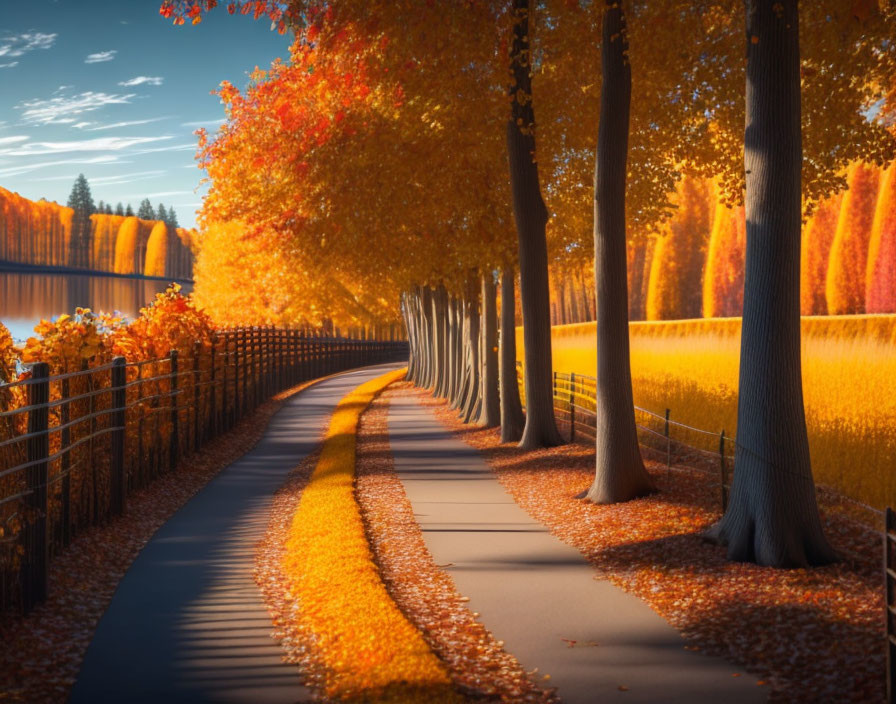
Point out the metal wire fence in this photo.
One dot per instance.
(74, 445)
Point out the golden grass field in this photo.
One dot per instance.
(849, 386)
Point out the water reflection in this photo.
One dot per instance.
(26, 298)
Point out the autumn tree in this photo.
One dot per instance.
(845, 285)
(119, 209)
(723, 275)
(818, 236)
(880, 273)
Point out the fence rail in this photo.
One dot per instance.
(74, 445)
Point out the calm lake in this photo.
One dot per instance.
(26, 298)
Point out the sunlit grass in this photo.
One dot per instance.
(849, 387)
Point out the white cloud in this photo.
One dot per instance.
(101, 56)
(130, 123)
(18, 45)
(100, 144)
(27, 168)
(11, 64)
(141, 80)
(203, 123)
(14, 139)
(109, 180)
(59, 110)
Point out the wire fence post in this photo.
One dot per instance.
(174, 450)
(723, 472)
(34, 569)
(572, 406)
(668, 445)
(197, 441)
(118, 479)
(65, 416)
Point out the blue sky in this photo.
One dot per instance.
(110, 89)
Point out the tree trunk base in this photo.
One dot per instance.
(761, 539)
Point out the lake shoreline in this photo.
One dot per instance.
(8, 267)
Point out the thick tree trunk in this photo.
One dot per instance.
(490, 412)
(452, 359)
(464, 381)
(619, 470)
(772, 518)
(412, 343)
(426, 325)
(512, 419)
(531, 216)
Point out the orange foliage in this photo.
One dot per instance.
(34, 232)
(156, 250)
(674, 289)
(845, 285)
(104, 232)
(723, 278)
(818, 236)
(880, 273)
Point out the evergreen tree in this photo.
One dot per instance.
(119, 209)
(162, 214)
(108, 209)
(101, 207)
(129, 211)
(172, 218)
(146, 211)
(81, 202)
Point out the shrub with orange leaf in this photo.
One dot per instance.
(70, 340)
(723, 278)
(880, 273)
(845, 285)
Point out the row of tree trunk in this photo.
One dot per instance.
(456, 350)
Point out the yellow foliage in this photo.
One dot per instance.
(105, 232)
(849, 387)
(370, 650)
(156, 250)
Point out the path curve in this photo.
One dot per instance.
(538, 594)
(187, 622)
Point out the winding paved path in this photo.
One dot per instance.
(534, 591)
(187, 622)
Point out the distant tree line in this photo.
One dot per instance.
(81, 201)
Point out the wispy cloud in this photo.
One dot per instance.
(11, 64)
(20, 44)
(59, 110)
(129, 123)
(100, 144)
(101, 56)
(14, 139)
(108, 180)
(141, 80)
(203, 123)
(28, 168)
(160, 194)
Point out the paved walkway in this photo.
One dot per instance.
(187, 623)
(533, 591)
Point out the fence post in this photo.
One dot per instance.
(554, 391)
(197, 346)
(34, 569)
(572, 406)
(890, 611)
(65, 417)
(118, 476)
(723, 472)
(174, 446)
(212, 425)
(668, 445)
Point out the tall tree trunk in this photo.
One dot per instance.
(574, 314)
(463, 359)
(619, 470)
(512, 419)
(490, 413)
(471, 400)
(412, 345)
(772, 518)
(531, 216)
(452, 348)
(440, 303)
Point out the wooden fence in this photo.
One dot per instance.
(73, 446)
